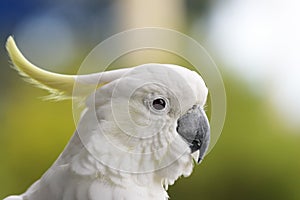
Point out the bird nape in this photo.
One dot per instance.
(141, 129)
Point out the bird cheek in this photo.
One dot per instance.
(140, 117)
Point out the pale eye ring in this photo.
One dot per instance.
(159, 104)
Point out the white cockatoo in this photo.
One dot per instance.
(142, 128)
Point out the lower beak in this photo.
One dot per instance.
(193, 127)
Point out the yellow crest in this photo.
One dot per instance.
(59, 85)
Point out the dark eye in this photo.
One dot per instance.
(159, 104)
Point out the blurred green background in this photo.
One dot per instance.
(257, 155)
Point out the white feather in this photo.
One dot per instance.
(92, 168)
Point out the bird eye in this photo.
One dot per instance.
(159, 104)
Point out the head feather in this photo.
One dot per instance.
(60, 86)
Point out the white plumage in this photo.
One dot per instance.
(123, 147)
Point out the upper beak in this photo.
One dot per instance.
(193, 126)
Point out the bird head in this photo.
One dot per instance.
(148, 118)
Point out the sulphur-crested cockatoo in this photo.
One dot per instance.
(142, 128)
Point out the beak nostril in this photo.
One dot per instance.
(194, 107)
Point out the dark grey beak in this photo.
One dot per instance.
(193, 127)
